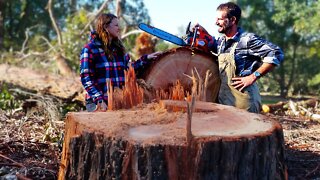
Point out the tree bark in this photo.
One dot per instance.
(150, 143)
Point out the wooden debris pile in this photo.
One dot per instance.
(307, 109)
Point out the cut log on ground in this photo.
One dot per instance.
(284, 105)
(178, 64)
(69, 88)
(149, 142)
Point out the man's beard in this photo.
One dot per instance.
(225, 29)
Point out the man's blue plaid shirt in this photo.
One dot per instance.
(250, 52)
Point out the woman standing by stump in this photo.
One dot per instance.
(104, 59)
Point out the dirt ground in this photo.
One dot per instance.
(302, 141)
(29, 150)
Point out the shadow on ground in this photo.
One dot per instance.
(302, 164)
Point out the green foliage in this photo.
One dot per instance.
(71, 107)
(7, 100)
(73, 40)
(314, 84)
(20, 15)
(134, 12)
(29, 20)
(7, 57)
(129, 44)
(162, 46)
(303, 15)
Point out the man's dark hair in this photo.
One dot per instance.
(232, 9)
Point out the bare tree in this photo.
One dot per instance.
(54, 22)
(60, 59)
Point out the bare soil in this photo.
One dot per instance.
(302, 142)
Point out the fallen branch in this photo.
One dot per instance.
(21, 177)
(26, 39)
(65, 87)
(130, 33)
(312, 171)
(15, 163)
(8, 164)
(293, 108)
(314, 117)
(269, 108)
(284, 105)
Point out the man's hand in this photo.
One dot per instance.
(153, 55)
(242, 82)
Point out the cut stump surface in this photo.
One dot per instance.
(150, 143)
(177, 63)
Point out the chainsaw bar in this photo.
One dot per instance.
(162, 34)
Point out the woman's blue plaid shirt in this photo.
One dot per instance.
(96, 69)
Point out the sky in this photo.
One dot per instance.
(169, 15)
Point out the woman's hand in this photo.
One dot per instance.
(153, 55)
(101, 106)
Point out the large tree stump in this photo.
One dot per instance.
(177, 63)
(149, 142)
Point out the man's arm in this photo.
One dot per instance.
(270, 54)
(242, 82)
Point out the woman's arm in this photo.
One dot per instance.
(142, 61)
(87, 72)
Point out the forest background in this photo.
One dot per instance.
(47, 36)
(32, 33)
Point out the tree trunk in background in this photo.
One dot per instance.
(2, 9)
(150, 143)
(63, 66)
(54, 23)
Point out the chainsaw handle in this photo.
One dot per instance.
(188, 28)
(194, 35)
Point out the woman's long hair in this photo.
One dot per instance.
(104, 36)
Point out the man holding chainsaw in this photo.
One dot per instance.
(243, 58)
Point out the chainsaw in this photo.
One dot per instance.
(198, 37)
